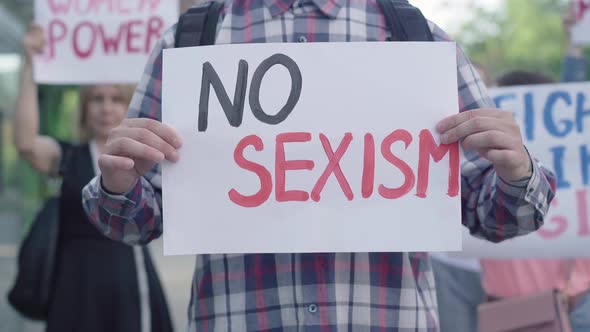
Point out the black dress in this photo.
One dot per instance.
(96, 284)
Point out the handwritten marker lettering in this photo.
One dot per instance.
(87, 37)
(335, 148)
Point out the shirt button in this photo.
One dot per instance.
(302, 39)
(312, 308)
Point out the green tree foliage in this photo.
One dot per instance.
(522, 34)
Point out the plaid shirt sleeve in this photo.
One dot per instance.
(492, 208)
(136, 216)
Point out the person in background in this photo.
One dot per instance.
(521, 277)
(458, 280)
(99, 284)
(458, 291)
(574, 68)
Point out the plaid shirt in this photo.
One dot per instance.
(330, 291)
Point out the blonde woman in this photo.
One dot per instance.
(100, 284)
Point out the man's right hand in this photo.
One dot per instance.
(132, 149)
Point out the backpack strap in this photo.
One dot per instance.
(198, 25)
(405, 22)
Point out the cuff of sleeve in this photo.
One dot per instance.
(534, 190)
(128, 200)
(520, 183)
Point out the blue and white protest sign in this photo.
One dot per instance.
(555, 123)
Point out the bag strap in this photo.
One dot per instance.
(405, 22)
(198, 25)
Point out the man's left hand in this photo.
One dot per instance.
(495, 135)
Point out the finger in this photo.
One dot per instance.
(475, 125)
(113, 163)
(37, 48)
(164, 131)
(33, 27)
(36, 30)
(36, 36)
(499, 157)
(457, 119)
(40, 39)
(129, 148)
(492, 139)
(35, 43)
(148, 138)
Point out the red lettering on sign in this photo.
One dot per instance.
(409, 178)
(428, 148)
(152, 5)
(83, 54)
(137, 36)
(282, 166)
(333, 167)
(560, 223)
(368, 167)
(86, 7)
(57, 32)
(123, 9)
(263, 174)
(133, 35)
(154, 31)
(59, 6)
(111, 44)
(583, 7)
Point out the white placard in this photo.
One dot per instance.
(555, 122)
(581, 30)
(99, 41)
(347, 90)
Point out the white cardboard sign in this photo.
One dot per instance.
(555, 122)
(581, 30)
(99, 41)
(265, 183)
